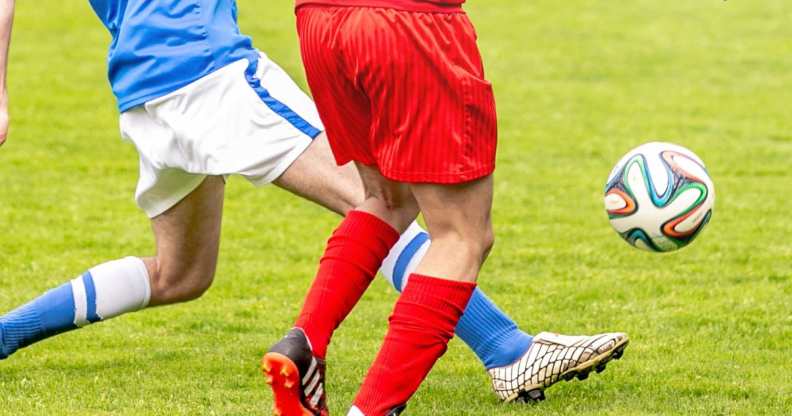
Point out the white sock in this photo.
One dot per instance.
(111, 289)
(405, 256)
(354, 411)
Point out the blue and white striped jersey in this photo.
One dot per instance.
(159, 46)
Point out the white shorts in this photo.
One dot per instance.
(245, 119)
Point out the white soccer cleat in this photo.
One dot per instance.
(553, 357)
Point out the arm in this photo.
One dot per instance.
(6, 19)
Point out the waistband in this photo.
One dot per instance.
(407, 5)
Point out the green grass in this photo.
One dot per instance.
(578, 83)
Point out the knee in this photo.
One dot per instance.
(180, 283)
(487, 241)
(480, 244)
(475, 242)
(397, 210)
(403, 214)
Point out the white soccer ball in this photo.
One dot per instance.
(659, 197)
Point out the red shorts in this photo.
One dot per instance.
(401, 90)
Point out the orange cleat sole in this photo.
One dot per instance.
(283, 377)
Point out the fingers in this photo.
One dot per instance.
(4, 121)
(3, 128)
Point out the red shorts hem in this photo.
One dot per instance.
(438, 178)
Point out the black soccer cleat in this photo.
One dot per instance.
(396, 411)
(296, 377)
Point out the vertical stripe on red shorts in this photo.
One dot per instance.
(401, 90)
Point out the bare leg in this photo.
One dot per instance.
(315, 177)
(188, 240)
(424, 318)
(458, 218)
(387, 200)
(491, 334)
(187, 244)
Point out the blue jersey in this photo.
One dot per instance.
(160, 46)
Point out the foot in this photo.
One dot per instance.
(3, 353)
(296, 377)
(396, 411)
(554, 357)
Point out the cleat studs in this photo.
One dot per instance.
(269, 380)
(531, 396)
(288, 384)
(284, 372)
(582, 376)
(569, 376)
(601, 367)
(536, 395)
(619, 352)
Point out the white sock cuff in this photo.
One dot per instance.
(389, 264)
(354, 411)
(121, 286)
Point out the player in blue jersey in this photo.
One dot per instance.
(200, 103)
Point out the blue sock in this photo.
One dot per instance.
(491, 334)
(48, 315)
(105, 291)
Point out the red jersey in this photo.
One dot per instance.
(443, 6)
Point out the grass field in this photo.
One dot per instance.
(578, 83)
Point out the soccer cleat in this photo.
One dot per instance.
(553, 357)
(396, 411)
(296, 377)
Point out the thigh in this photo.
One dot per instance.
(316, 177)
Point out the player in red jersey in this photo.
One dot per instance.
(401, 90)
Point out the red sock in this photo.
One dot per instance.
(421, 325)
(353, 255)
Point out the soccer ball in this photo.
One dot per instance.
(659, 197)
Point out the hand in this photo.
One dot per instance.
(3, 118)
